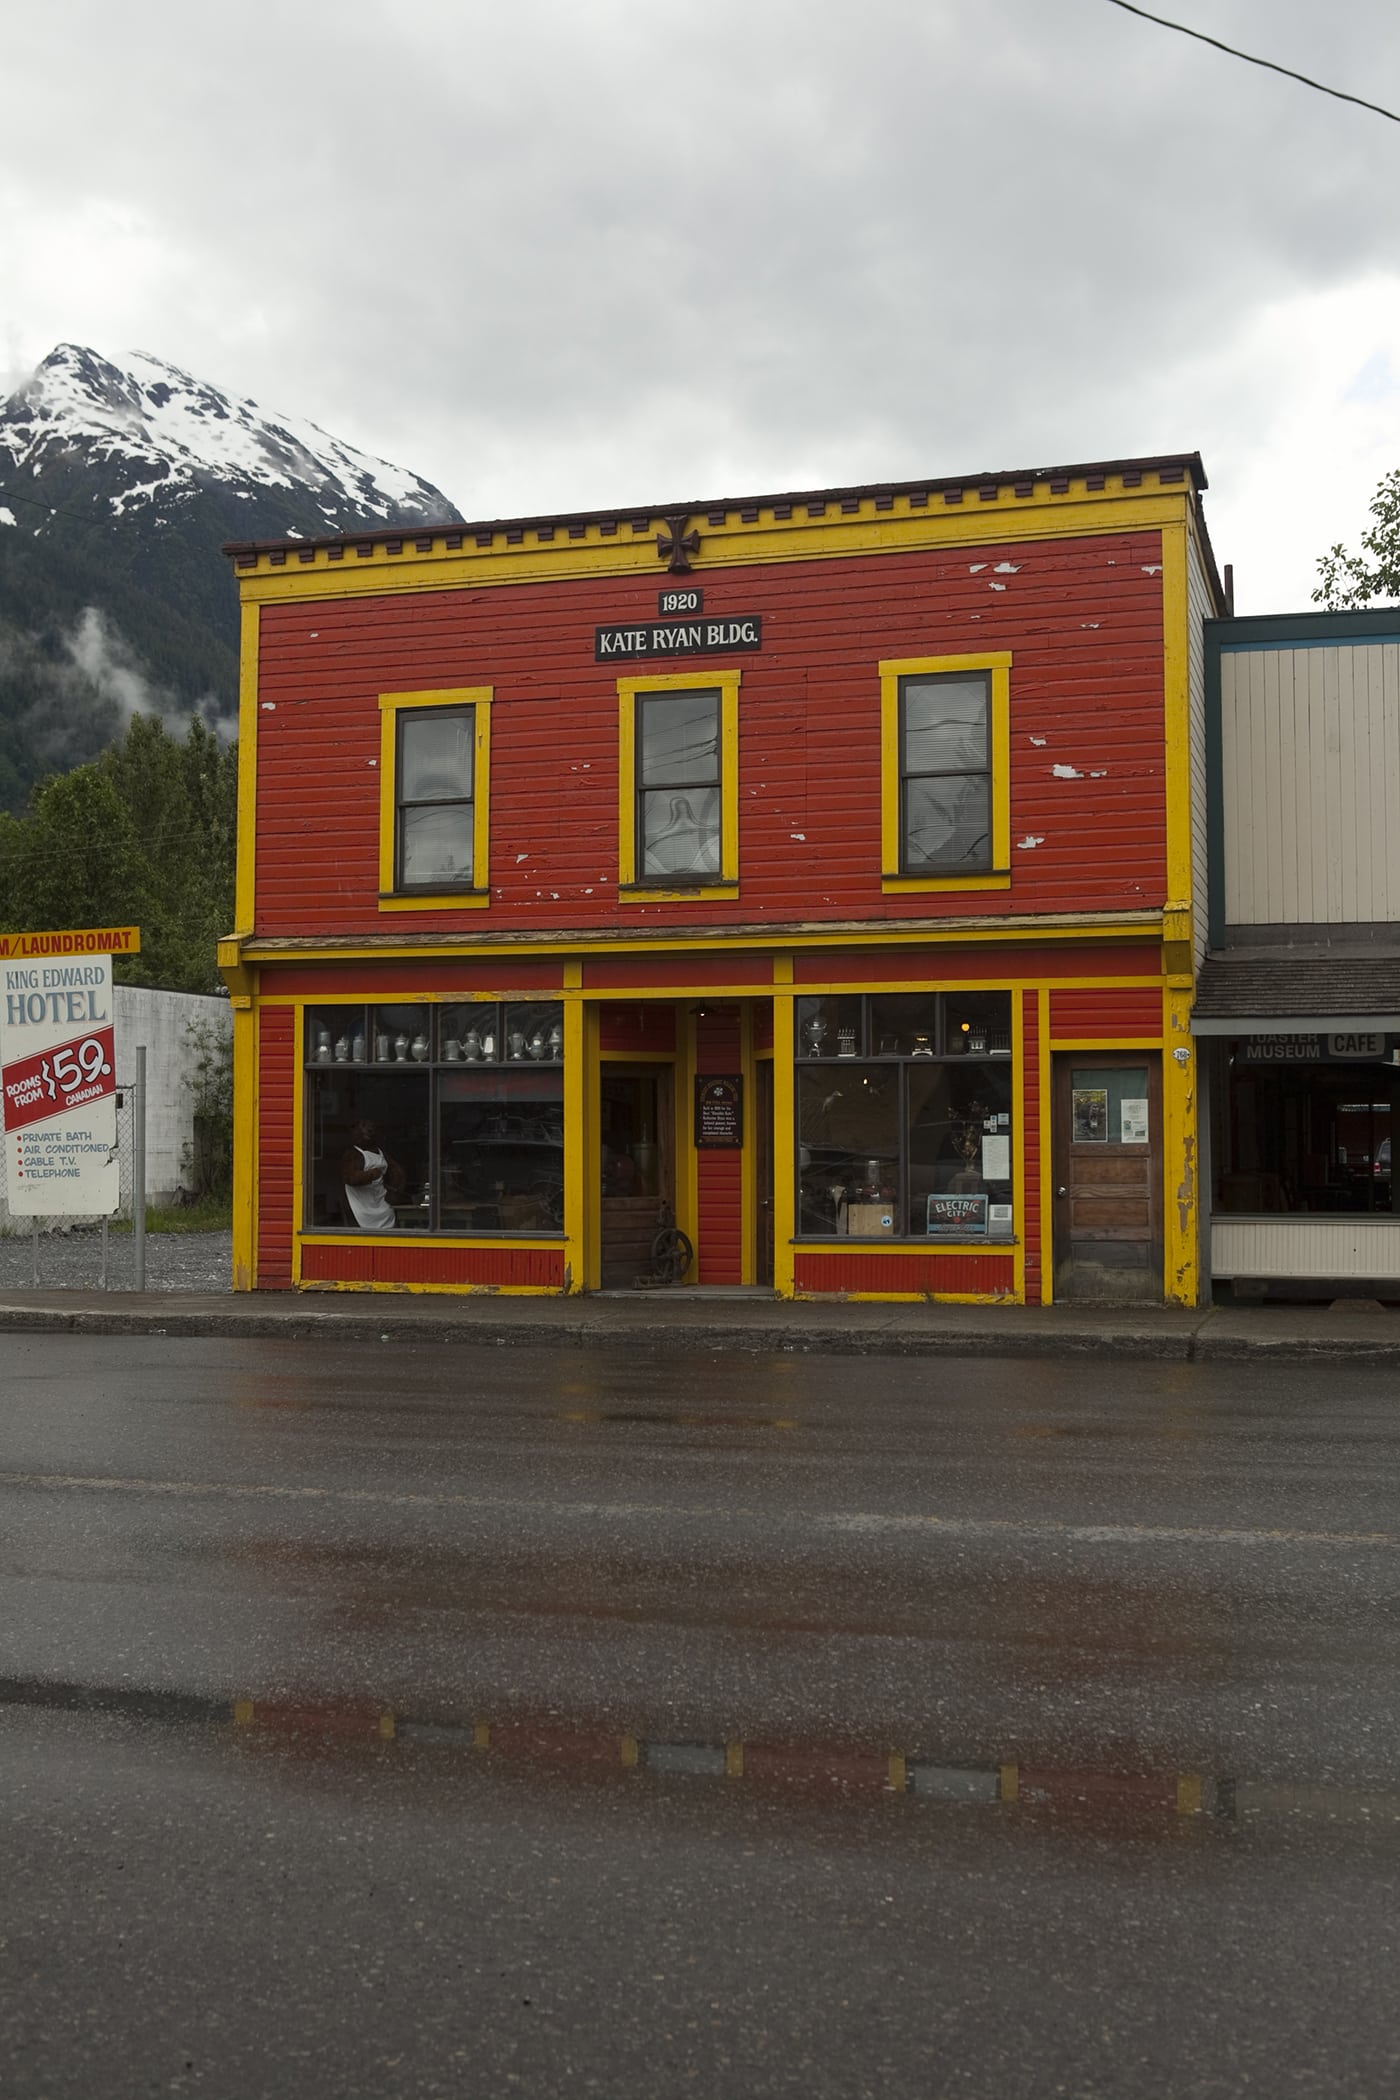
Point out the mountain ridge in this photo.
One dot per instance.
(120, 482)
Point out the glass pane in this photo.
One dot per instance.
(680, 833)
(463, 1030)
(400, 1035)
(535, 1033)
(945, 724)
(948, 822)
(959, 1135)
(830, 1027)
(338, 1104)
(336, 1035)
(501, 1151)
(904, 1024)
(630, 1150)
(678, 739)
(977, 1024)
(1108, 1105)
(435, 845)
(435, 755)
(848, 1150)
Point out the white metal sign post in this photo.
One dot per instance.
(58, 1072)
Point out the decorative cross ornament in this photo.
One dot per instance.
(675, 545)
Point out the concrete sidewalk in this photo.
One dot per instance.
(697, 1321)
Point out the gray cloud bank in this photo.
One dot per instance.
(553, 254)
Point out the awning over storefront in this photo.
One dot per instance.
(1284, 993)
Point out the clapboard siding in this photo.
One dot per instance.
(1082, 619)
(1310, 776)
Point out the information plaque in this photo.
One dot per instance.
(719, 1113)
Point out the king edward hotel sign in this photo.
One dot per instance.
(58, 1070)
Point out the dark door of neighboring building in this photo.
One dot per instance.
(1108, 1175)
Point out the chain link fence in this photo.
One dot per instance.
(78, 1254)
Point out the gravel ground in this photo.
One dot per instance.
(175, 1261)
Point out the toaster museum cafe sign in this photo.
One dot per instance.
(58, 1070)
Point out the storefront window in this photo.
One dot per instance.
(904, 1115)
(467, 1104)
(1306, 1127)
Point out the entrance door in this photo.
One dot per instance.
(1108, 1176)
(637, 1123)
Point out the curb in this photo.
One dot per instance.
(1012, 1782)
(1002, 1337)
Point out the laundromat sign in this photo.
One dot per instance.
(58, 1070)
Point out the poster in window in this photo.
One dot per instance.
(996, 1159)
(1132, 1123)
(1089, 1115)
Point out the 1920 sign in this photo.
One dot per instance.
(719, 1113)
(719, 637)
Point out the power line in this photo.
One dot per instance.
(13, 496)
(1250, 60)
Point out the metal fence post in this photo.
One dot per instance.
(138, 1170)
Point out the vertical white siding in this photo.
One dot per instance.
(1310, 755)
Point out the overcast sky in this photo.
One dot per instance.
(574, 254)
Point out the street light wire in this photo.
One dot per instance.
(1250, 60)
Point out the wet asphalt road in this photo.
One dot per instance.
(1092, 1577)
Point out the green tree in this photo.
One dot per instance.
(1350, 582)
(143, 836)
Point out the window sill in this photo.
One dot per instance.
(337, 1235)
(906, 885)
(911, 1243)
(434, 900)
(720, 892)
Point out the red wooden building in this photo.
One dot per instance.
(818, 867)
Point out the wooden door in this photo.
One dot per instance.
(1108, 1176)
(637, 1125)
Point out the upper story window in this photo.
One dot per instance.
(678, 787)
(433, 798)
(678, 794)
(945, 773)
(945, 725)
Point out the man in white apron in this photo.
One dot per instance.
(369, 1174)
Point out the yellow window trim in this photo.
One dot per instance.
(998, 877)
(699, 680)
(391, 705)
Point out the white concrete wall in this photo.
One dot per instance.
(161, 1021)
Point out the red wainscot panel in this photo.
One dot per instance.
(1109, 1012)
(1032, 1127)
(948, 1275)
(277, 1148)
(470, 1268)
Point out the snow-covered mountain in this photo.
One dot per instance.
(142, 432)
(119, 483)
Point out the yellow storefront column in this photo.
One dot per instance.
(1180, 1155)
(579, 1080)
(245, 1143)
(784, 1124)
